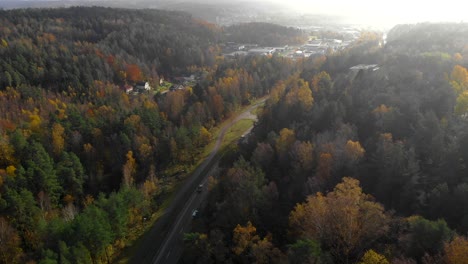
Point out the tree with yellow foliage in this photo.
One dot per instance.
(354, 151)
(244, 237)
(204, 137)
(372, 257)
(345, 220)
(461, 107)
(459, 79)
(129, 169)
(456, 252)
(253, 249)
(58, 140)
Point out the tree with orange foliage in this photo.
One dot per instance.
(133, 72)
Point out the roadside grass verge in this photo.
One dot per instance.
(236, 131)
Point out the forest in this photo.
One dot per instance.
(83, 164)
(343, 166)
(364, 165)
(265, 34)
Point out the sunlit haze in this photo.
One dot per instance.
(385, 12)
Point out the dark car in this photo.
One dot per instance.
(200, 188)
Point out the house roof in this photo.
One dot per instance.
(141, 83)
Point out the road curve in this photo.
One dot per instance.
(163, 243)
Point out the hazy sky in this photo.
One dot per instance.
(371, 12)
(393, 11)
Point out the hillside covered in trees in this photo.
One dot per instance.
(351, 165)
(265, 34)
(83, 164)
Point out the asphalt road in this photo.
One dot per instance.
(163, 243)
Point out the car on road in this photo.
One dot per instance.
(200, 188)
(194, 213)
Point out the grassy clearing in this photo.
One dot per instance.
(236, 131)
(258, 111)
(165, 86)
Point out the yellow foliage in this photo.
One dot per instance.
(457, 57)
(456, 252)
(386, 137)
(4, 43)
(302, 155)
(382, 109)
(89, 199)
(285, 140)
(145, 150)
(318, 79)
(6, 152)
(372, 257)
(243, 237)
(129, 169)
(149, 104)
(277, 92)
(35, 120)
(459, 79)
(10, 171)
(300, 94)
(88, 148)
(150, 188)
(97, 133)
(205, 136)
(68, 199)
(343, 219)
(461, 107)
(58, 140)
(354, 151)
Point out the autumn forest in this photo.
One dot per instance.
(343, 165)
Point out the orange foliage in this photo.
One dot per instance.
(133, 72)
(110, 59)
(129, 169)
(7, 125)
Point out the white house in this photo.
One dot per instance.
(142, 86)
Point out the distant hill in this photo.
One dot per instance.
(264, 34)
(427, 37)
(75, 46)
